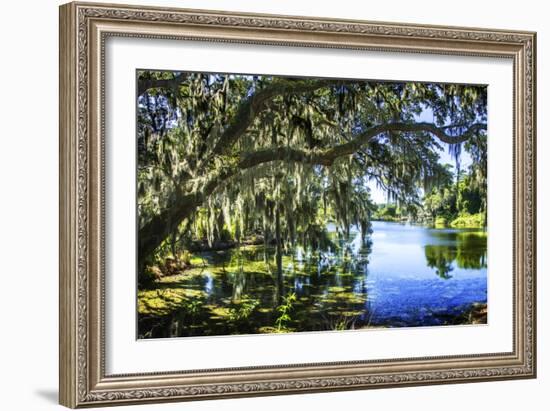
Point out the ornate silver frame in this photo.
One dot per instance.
(83, 30)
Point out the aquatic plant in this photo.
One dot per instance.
(284, 311)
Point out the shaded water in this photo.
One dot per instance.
(408, 275)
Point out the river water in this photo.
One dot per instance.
(407, 275)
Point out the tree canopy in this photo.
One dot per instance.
(229, 156)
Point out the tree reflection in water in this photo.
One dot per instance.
(468, 249)
(236, 291)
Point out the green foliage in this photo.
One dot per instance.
(387, 212)
(284, 311)
(440, 222)
(441, 203)
(469, 221)
(447, 204)
(185, 257)
(469, 252)
(150, 275)
(196, 129)
(461, 204)
(241, 310)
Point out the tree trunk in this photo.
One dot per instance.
(278, 251)
(457, 205)
(364, 231)
(173, 246)
(266, 236)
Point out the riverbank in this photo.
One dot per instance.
(476, 314)
(464, 220)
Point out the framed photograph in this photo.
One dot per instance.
(259, 204)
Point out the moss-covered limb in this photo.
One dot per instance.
(250, 107)
(328, 156)
(145, 84)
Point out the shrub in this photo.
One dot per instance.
(469, 221)
(440, 222)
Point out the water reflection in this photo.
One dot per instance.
(388, 282)
(441, 258)
(466, 249)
